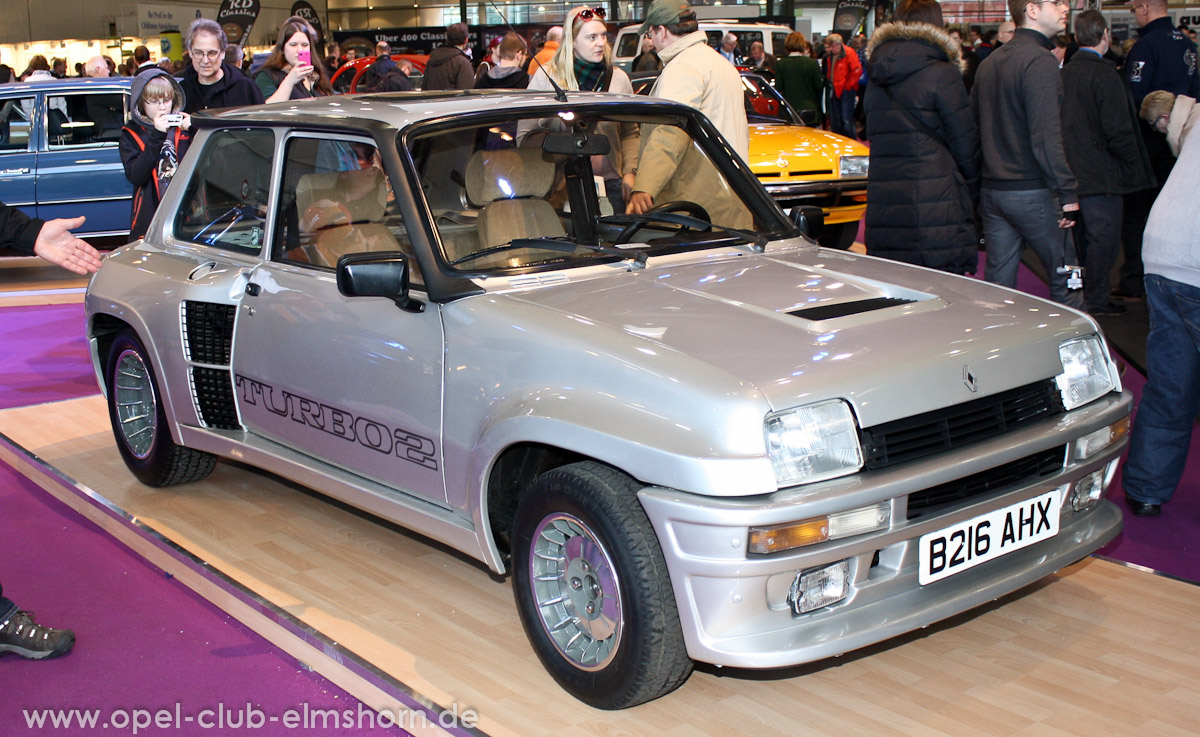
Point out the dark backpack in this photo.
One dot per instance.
(393, 81)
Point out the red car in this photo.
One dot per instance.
(355, 75)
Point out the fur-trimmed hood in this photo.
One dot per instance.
(897, 50)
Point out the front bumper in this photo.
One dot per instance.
(841, 200)
(733, 607)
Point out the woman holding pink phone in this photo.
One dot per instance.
(289, 74)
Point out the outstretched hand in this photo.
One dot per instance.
(55, 243)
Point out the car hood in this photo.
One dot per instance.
(798, 152)
(807, 324)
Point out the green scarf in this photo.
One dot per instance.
(590, 76)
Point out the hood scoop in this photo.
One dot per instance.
(845, 309)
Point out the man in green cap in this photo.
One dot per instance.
(696, 75)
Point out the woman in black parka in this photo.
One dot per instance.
(924, 176)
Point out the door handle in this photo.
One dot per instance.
(10, 172)
(253, 289)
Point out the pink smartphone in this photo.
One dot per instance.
(304, 56)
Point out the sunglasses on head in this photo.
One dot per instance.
(589, 13)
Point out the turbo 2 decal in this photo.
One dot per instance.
(366, 432)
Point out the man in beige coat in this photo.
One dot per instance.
(695, 75)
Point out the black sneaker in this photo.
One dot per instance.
(21, 635)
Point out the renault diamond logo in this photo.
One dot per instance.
(969, 379)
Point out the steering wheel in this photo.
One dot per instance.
(684, 206)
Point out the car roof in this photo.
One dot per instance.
(401, 109)
(67, 83)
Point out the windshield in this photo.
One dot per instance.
(551, 190)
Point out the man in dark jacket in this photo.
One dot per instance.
(210, 82)
(924, 176)
(1106, 154)
(52, 240)
(449, 67)
(385, 75)
(1162, 59)
(1028, 193)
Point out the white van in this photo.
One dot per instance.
(628, 43)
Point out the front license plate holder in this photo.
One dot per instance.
(964, 545)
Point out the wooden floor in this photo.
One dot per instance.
(1098, 649)
(28, 280)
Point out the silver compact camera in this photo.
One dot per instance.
(174, 119)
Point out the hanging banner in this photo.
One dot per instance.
(237, 18)
(849, 17)
(309, 14)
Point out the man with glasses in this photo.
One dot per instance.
(210, 82)
(1162, 59)
(694, 74)
(1028, 193)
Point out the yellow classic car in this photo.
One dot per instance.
(799, 164)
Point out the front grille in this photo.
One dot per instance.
(213, 392)
(934, 432)
(208, 332)
(1030, 467)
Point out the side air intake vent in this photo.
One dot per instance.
(208, 332)
(844, 309)
(212, 391)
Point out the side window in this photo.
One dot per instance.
(225, 203)
(714, 38)
(628, 45)
(778, 49)
(746, 39)
(84, 119)
(14, 124)
(336, 200)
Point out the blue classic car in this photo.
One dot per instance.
(58, 152)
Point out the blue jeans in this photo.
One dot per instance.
(7, 608)
(1012, 219)
(841, 114)
(1162, 430)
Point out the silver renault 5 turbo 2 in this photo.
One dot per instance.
(691, 435)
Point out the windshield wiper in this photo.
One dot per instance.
(554, 244)
(757, 240)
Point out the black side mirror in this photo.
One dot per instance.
(808, 117)
(809, 219)
(378, 274)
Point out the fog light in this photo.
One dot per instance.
(1092, 443)
(1087, 490)
(820, 587)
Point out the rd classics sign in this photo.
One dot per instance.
(237, 18)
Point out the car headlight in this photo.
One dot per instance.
(855, 166)
(813, 443)
(1086, 372)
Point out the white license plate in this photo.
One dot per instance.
(967, 544)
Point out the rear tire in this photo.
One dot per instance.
(840, 236)
(140, 424)
(592, 588)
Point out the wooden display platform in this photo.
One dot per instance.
(1098, 649)
(28, 280)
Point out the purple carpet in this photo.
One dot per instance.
(43, 355)
(144, 641)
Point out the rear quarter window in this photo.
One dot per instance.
(225, 204)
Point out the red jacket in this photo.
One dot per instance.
(843, 72)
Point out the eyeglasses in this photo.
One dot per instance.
(199, 54)
(1059, 3)
(589, 13)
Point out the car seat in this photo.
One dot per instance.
(340, 213)
(509, 186)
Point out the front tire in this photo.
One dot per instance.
(592, 588)
(140, 424)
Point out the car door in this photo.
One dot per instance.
(355, 382)
(18, 150)
(80, 172)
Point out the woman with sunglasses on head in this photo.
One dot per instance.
(289, 73)
(584, 63)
